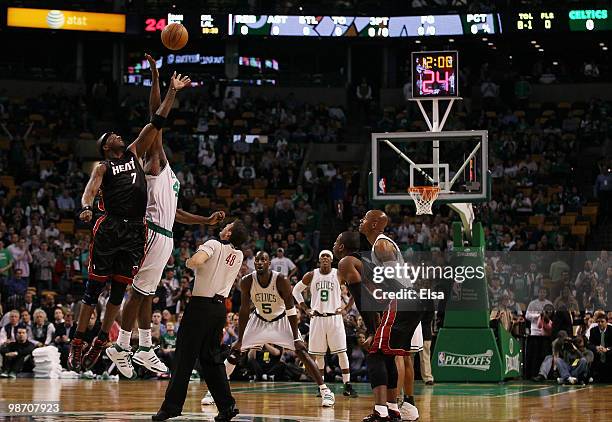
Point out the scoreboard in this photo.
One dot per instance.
(204, 24)
(435, 74)
(554, 20)
(363, 26)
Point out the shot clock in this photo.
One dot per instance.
(435, 74)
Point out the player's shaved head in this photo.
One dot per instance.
(374, 221)
(262, 262)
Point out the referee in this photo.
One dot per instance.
(216, 264)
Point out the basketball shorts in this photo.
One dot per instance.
(399, 333)
(326, 332)
(158, 249)
(117, 248)
(259, 332)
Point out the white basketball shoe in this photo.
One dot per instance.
(122, 358)
(409, 412)
(145, 356)
(328, 399)
(207, 400)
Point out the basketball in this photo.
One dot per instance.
(174, 36)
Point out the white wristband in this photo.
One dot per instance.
(291, 312)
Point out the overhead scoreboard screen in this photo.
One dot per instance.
(363, 26)
(435, 74)
(555, 20)
(204, 24)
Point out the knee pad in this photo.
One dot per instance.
(391, 371)
(320, 361)
(377, 369)
(343, 360)
(117, 292)
(92, 292)
(234, 357)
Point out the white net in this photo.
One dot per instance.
(424, 197)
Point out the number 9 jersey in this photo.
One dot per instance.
(325, 292)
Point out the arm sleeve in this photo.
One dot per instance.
(297, 292)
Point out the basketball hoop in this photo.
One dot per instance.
(424, 197)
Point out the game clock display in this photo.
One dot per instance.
(435, 74)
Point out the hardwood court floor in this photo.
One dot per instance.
(89, 400)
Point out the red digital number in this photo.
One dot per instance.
(444, 81)
(230, 260)
(152, 25)
(426, 81)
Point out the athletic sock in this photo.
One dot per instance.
(409, 399)
(124, 339)
(393, 406)
(144, 338)
(382, 410)
(346, 378)
(103, 336)
(323, 387)
(229, 368)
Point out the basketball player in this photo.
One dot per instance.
(326, 323)
(119, 236)
(394, 335)
(274, 320)
(162, 198)
(216, 265)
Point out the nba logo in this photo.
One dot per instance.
(382, 185)
(441, 357)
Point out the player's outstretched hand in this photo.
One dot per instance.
(152, 65)
(86, 215)
(179, 81)
(300, 346)
(216, 217)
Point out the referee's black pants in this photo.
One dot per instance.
(199, 335)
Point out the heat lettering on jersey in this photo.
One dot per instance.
(120, 168)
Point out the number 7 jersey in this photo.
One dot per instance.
(267, 300)
(325, 295)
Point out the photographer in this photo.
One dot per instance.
(559, 360)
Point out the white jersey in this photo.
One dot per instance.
(162, 197)
(325, 292)
(267, 300)
(217, 275)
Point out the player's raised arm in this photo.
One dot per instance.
(147, 134)
(185, 217)
(156, 154)
(93, 185)
(299, 288)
